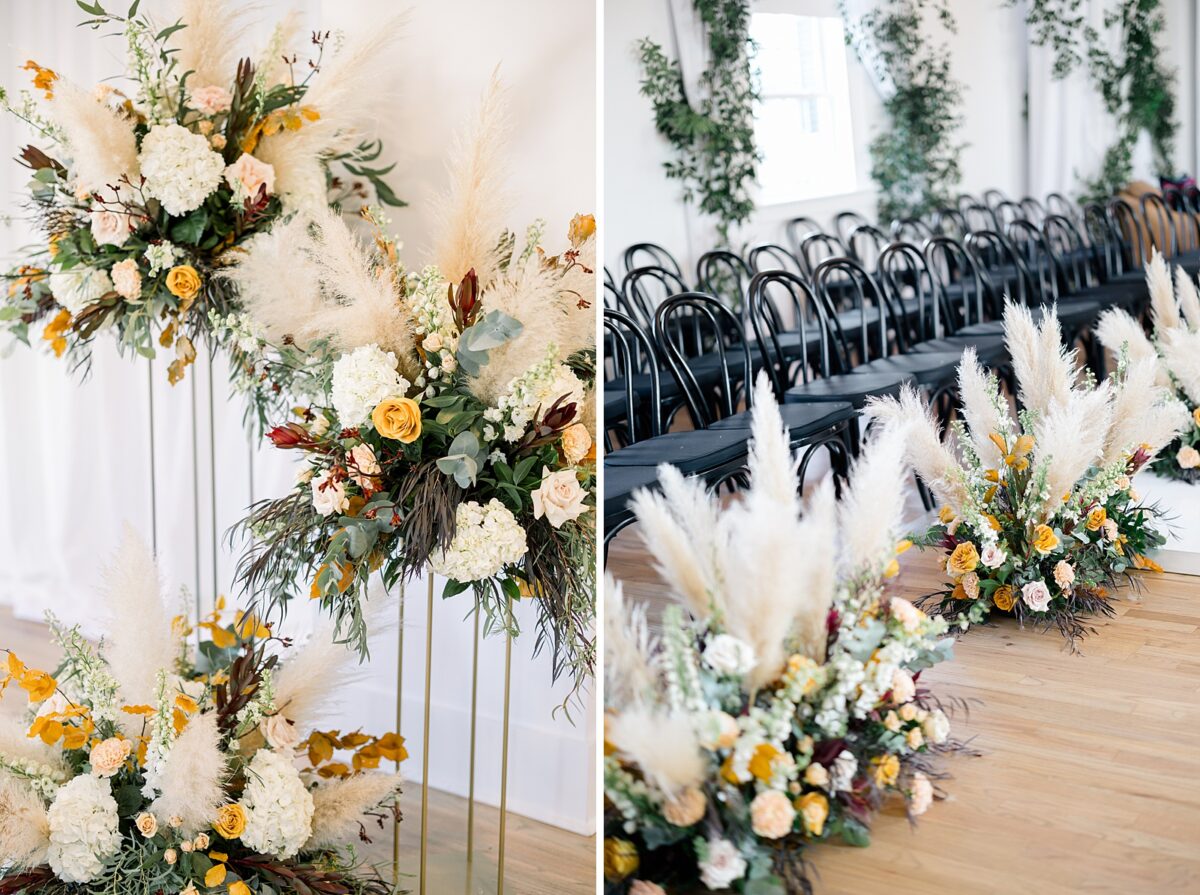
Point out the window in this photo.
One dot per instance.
(803, 126)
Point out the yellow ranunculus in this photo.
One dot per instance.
(886, 769)
(582, 226)
(1044, 539)
(620, 859)
(1003, 598)
(814, 809)
(964, 559)
(398, 419)
(184, 283)
(762, 760)
(1096, 519)
(231, 821)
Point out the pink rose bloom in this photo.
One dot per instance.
(127, 279)
(211, 100)
(922, 794)
(248, 175)
(1036, 596)
(772, 814)
(559, 498)
(280, 734)
(110, 227)
(643, 887)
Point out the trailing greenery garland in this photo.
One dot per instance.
(714, 140)
(1137, 88)
(915, 160)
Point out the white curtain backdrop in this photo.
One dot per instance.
(75, 457)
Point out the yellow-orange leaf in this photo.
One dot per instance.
(185, 702)
(215, 875)
(392, 748)
(38, 685)
(138, 709)
(335, 769)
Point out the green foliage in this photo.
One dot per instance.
(1137, 88)
(915, 160)
(713, 134)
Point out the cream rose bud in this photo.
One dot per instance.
(328, 496)
(127, 280)
(170, 856)
(186, 846)
(772, 814)
(903, 687)
(936, 727)
(433, 342)
(816, 775)
(280, 734)
(147, 824)
(922, 794)
(576, 442)
(1036, 596)
(109, 227)
(559, 498)
(725, 654)
(891, 721)
(108, 756)
(1188, 457)
(211, 99)
(992, 556)
(908, 712)
(201, 841)
(247, 176)
(916, 739)
(175, 822)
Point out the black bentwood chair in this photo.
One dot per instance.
(650, 254)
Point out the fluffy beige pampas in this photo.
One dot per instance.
(24, 825)
(208, 46)
(663, 745)
(192, 780)
(102, 143)
(340, 806)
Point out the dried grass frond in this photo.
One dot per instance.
(1143, 413)
(629, 648)
(469, 216)
(1164, 310)
(871, 512)
(1189, 299)
(192, 780)
(1181, 355)
(1045, 369)
(934, 461)
(1071, 437)
(982, 408)
(101, 141)
(1116, 329)
(663, 745)
(16, 746)
(339, 807)
(209, 46)
(24, 825)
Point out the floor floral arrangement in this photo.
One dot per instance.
(169, 759)
(1174, 347)
(1038, 516)
(777, 712)
(145, 196)
(449, 423)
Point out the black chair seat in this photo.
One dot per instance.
(621, 481)
(615, 408)
(989, 348)
(854, 388)
(693, 452)
(801, 419)
(933, 368)
(1122, 295)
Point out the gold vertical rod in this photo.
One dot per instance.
(212, 466)
(425, 732)
(474, 717)
(399, 732)
(504, 748)
(153, 470)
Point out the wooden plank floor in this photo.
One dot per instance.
(540, 859)
(1090, 777)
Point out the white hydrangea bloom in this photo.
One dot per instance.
(83, 829)
(180, 167)
(78, 287)
(361, 379)
(279, 809)
(487, 537)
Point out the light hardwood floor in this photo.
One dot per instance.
(1090, 775)
(540, 859)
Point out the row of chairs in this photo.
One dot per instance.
(833, 334)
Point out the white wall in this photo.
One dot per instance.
(74, 459)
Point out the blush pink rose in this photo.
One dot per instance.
(211, 100)
(248, 175)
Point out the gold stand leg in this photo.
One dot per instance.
(399, 732)
(474, 713)
(425, 733)
(504, 750)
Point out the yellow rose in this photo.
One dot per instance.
(398, 419)
(620, 859)
(231, 821)
(1003, 597)
(1196, 415)
(1095, 519)
(583, 227)
(887, 769)
(1044, 539)
(685, 809)
(814, 809)
(964, 559)
(184, 283)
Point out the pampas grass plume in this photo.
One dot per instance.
(193, 776)
(663, 745)
(1164, 310)
(24, 824)
(339, 807)
(101, 142)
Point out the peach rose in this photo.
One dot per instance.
(1188, 457)
(559, 498)
(211, 99)
(921, 796)
(280, 734)
(903, 688)
(108, 756)
(147, 824)
(171, 856)
(771, 815)
(576, 442)
(127, 280)
(685, 809)
(248, 176)
(363, 465)
(398, 419)
(907, 614)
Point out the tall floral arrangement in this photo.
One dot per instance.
(1039, 517)
(160, 763)
(781, 703)
(147, 187)
(449, 423)
(1174, 348)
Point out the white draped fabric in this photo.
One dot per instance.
(75, 457)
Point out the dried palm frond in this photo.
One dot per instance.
(340, 806)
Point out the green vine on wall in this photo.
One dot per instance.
(716, 158)
(916, 159)
(1137, 88)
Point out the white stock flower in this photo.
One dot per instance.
(83, 829)
(78, 287)
(328, 496)
(487, 537)
(723, 864)
(279, 809)
(361, 379)
(725, 654)
(180, 168)
(845, 766)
